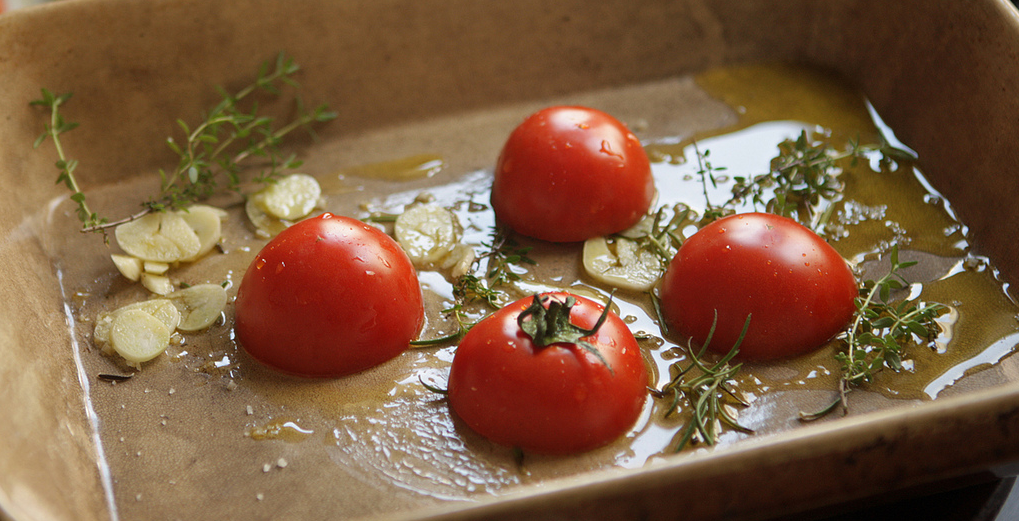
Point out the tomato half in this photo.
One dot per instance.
(571, 173)
(798, 291)
(557, 399)
(327, 297)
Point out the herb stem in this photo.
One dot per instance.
(200, 162)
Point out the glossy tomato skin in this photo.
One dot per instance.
(569, 174)
(798, 290)
(558, 399)
(327, 297)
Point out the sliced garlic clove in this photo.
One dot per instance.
(160, 237)
(289, 198)
(207, 223)
(128, 266)
(199, 305)
(138, 336)
(158, 284)
(101, 333)
(155, 268)
(265, 225)
(427, 232)
(459, 261)
(161, 308)
(621, 263)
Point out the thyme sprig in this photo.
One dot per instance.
(803, 180)
(706, 172)
(57, 126)
(880, 333)
(502, 253)
(706, 388)
(213, 153)
(663, 235)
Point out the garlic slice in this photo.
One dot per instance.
(138, 336)
(199, 305)
(128, 266)
(155, 268)
(621, 263)
(427, 232)
(160, 237)
(162, 310)
(207, 222)
(459, 261)
(289, 198)
(265, 225)
(158, 284)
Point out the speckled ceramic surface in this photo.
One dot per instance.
(448, 77)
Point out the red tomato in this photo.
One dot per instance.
(571, 173)
(797, 289)
(556, 399)
(327, 297)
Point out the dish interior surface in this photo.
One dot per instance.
(206, 409)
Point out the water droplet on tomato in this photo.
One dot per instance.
(260, 263)
(606, 148)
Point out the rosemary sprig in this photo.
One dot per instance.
(705, 388)
(880, 333)
(213, 152)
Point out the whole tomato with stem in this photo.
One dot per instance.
(327, 297)
(570, 173)
(553, 374)
(796, 289)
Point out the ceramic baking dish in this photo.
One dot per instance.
(453, 77)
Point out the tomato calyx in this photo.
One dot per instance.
(551, 325)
